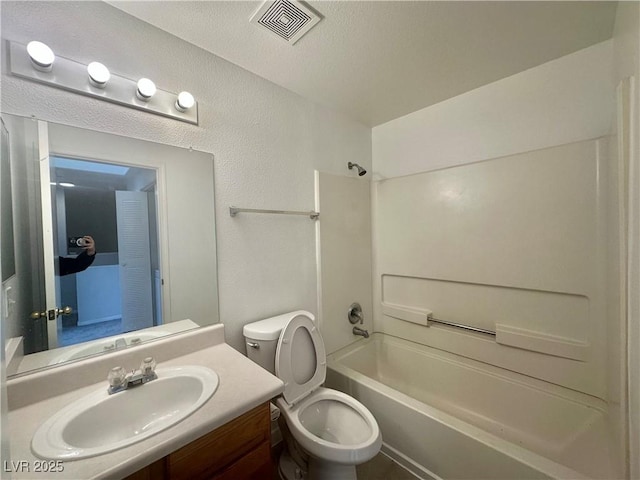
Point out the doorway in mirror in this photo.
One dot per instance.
(120, 289)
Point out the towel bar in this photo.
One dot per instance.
(233, 211)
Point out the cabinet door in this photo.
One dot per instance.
(238, 450)
(155, 471)
(256, 465)
(217, 451)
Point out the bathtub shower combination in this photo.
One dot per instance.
(499, 349)
(443, 415)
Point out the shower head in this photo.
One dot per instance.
(361, 171)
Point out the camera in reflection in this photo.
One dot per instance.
(78, 242)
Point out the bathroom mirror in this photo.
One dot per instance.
(148, 207)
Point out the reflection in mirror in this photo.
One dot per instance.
(142, 204)
(6, 204)
(115, 288)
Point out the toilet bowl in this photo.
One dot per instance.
(335, 430)
(333, 426)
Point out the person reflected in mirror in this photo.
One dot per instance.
(69, 265)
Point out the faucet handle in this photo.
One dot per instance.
(117, 377)
(355, 314)
(148, 366)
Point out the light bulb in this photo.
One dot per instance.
(146, 89)
(98, 74)
(41, 55)
(185, 101)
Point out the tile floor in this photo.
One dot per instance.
(379, 467)
(382, 467)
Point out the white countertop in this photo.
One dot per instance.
(243, 386)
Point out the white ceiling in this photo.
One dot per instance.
(378, 60)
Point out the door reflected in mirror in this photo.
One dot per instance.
(135, 202)
(118, 286)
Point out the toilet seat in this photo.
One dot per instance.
(301, 361)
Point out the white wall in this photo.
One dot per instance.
(266, 142)
(626, 43)
(98, 291)
(562, 101)
(344, 252)
(518, 241)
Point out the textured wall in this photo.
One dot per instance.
(266, 142)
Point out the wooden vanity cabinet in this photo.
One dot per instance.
(238, 450)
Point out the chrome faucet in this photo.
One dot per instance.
(355, 315)
(120, 380)
(360, 331)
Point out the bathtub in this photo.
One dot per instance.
(445, 416)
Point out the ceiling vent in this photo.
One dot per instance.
(288, 19)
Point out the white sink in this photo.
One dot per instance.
(99, 423)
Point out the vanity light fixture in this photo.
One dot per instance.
(98, 74)
(42, 57)
(146, 89)
(35, 61)
(185, 101)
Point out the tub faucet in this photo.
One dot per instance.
(120, 380)
(360, 331)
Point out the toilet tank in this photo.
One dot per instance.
(261, 338)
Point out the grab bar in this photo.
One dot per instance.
(517, 337)
(423, 316)
(461, 325)
(233, 211)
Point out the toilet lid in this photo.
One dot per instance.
(301, 362)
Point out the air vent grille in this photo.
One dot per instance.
(288, 19)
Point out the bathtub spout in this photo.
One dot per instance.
(360, 331)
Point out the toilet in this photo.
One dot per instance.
(334, 430)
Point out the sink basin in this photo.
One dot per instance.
(99, 423)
